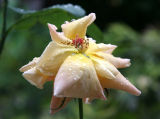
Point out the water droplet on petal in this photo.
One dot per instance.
(75, 78)
(80, 71)
(72, 73)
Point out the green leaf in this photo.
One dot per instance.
(95, 32)
(75, 10)
(56, 15)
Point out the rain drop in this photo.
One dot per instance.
(72, 73)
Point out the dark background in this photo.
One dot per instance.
(136, 13)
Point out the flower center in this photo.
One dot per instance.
(80, 43)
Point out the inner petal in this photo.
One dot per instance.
(58, 37)
(78, 27)
(101, 47)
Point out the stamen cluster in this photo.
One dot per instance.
(80, 43)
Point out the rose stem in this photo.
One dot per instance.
(80, 108)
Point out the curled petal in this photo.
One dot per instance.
(104, 68)
(53, 57)
(58, 37)
(35, 77)
(29, 65)
(120, 83)
(116, 61)
(78, 27)
(32, 75)
(77, 78)
(58, 104)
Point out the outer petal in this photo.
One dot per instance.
(58, 37)
(35, 77)
(77, 78)
(58, 104)
(116, 61)
(120, 83)
(29, 65)
(53, 57)
(32, 75)
(110, 77)
(78, 27)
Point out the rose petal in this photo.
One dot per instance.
(104, 68)
(93, 47)
(78, 27)
(58, 37)
(53, 57)
(35, 78)
(120, 83)
(32, 75)
(107, 48)
(116, 61)
(29, 65)
(77, 78)
(58, 104)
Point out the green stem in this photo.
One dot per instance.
(80, 108)
(3, 38)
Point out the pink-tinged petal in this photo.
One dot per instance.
(78, 27)
(116, 61)
(104, 68)
(58, 37)
(35, 77)
(101, 47)
(58, 103)
(77, 78)
(52, 57)
(110, 77)
(120, 83)
(29, 65)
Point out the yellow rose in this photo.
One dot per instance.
(78, 66)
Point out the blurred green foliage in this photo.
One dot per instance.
(20, 100)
